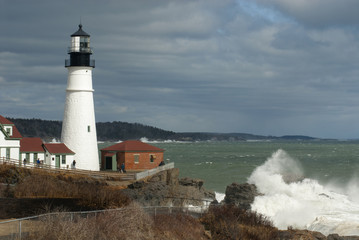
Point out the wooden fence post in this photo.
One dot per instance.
(20, 230)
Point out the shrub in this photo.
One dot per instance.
(11, 174)
(179, 226)
(231, 222)
(130, 223)
(91, 194)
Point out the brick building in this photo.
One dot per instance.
(136, 155)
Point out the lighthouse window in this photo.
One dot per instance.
(88, 128)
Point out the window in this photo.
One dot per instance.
(88, 128)
(63, 159)
(152, 158)
(8, 131)
(8, 153)
(137, 158)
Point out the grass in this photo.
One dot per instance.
(92, 193)
(179, 226)
(130, 223)
(231, 222)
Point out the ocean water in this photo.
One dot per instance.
(307, 185)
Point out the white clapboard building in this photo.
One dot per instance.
(14, 147)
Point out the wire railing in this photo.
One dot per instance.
(46, 167)
(129, 175)
(21, 227)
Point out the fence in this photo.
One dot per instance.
(99, 174)
(20, 228)
(49, 168)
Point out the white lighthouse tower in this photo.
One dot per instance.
(79, 126)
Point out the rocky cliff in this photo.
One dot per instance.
(166, 189)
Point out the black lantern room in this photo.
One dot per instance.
(80, 50)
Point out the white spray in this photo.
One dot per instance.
(290, 200)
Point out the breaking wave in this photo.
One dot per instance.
(291, 200)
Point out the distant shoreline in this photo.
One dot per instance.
(116, 130)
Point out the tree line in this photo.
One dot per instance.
(116, 130)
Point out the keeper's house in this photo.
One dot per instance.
(136, 155)
(9, 139)
(31, 149)
(14, 147)
(58, 155)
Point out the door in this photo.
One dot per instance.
(57, 161)
(109, 163)
(7, 153)
(35, 158)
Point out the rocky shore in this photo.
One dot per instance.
(166, 189)
(27, 192)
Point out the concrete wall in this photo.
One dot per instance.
(151, 172)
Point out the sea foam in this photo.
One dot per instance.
(289, 199)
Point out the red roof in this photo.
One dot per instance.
(58, 148)
(31, 145)
(133, 146)
(15, 132)
(5, 121)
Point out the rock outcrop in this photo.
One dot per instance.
(241, 195)
(166, 189)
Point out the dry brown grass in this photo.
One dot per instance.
(37, 183)
(233, 223)
(178, 227)
(10, 174)
(129, 223)
(91, 194)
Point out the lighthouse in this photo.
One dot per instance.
(79, 126)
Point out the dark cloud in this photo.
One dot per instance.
(318, 13)
(265, 67)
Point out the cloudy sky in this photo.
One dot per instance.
(269, 67)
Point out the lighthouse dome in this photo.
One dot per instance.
(80, 32)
